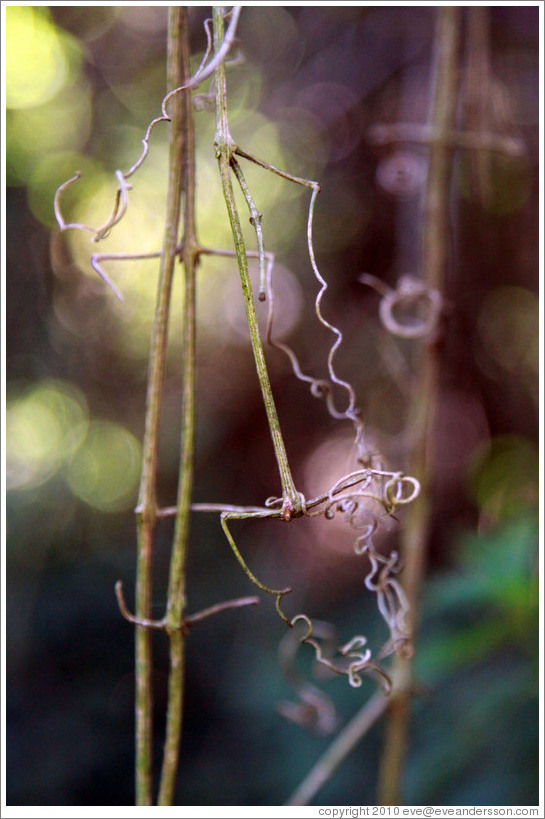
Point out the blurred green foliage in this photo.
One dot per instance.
(479, 661)
(82, 83)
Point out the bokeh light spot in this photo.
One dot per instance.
(62, 124)
(37, 63)
(336, 106)
(509, 329)
(303, 133)
(104, 470)
(505, 477)
(508, 185)
(270, 37)
(402, 174)
(221, 313)
(342, 213)
(44, 426)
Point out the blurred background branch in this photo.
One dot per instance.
(422, 406)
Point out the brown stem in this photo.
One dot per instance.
(183, 179)
(147, 500)
(414, 536)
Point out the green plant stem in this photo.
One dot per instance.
(225, 149)
(414, 535)
(255, 219)
(182, 159)
(147, 498)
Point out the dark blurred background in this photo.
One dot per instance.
(82, 84)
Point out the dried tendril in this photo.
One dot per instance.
(353, 493)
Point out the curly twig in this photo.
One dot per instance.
(352, 651)
(121, 196)
(413, 293)
(314, 711)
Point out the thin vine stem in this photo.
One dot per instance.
(255, 219)
(414, 536)
(147, 498)
(224, 147)
(183, 159)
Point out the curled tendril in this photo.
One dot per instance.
(390, 489)
(400, 489)
(363, 476)
(63, 225)
(350, 495)
(120, 206)
(358, 662)
(383, 585)
(319, 387)
(121, 197)
(145, 144)
(204, 71)
(314, 710)
(392, 602)
(409, 293)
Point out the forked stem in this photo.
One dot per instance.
(224, 151)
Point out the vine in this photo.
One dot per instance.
(349, 495)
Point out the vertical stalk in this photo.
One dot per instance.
(184, 150)
(147, 499)
(225, 149)
(477, 98)
(421, 413)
